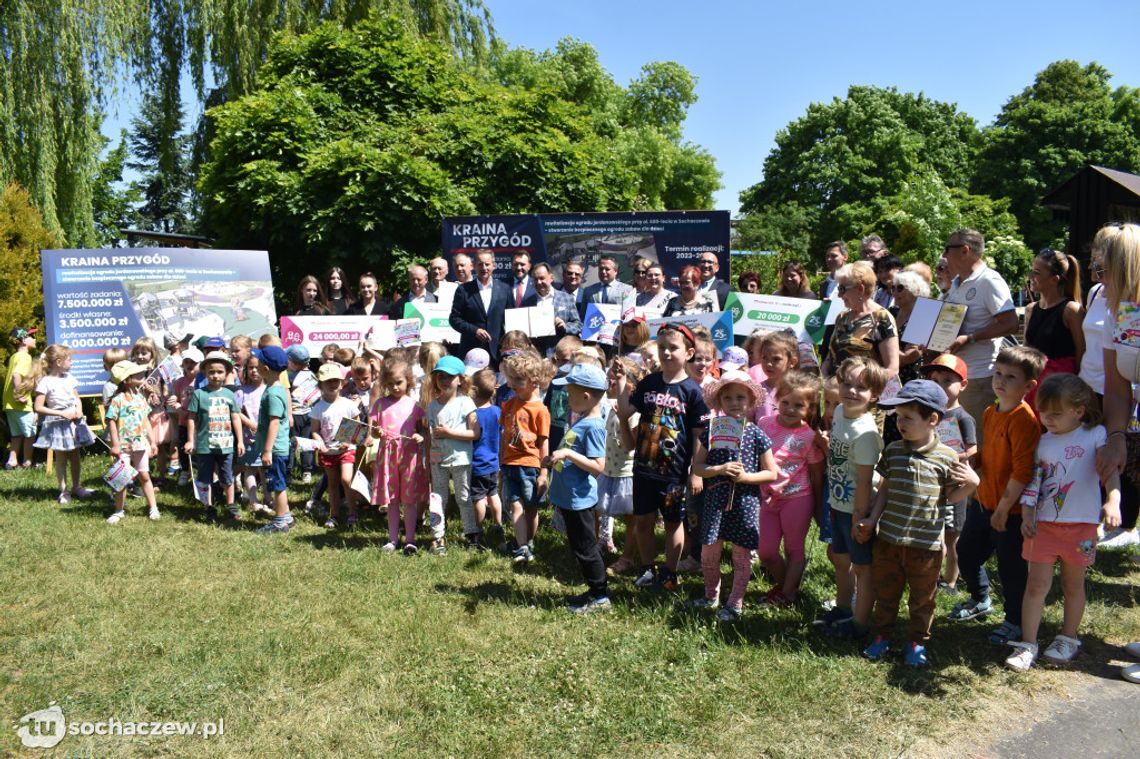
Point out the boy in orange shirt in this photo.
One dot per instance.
(993, 522)
(524, 446)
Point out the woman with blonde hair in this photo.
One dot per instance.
(865, 329)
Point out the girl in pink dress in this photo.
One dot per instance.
(399, 476)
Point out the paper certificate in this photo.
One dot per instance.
(934, 323)
(950, 434)
(535, 321)
(601, 323)
(1127, 331)
(350, 433)
(407, 332)
(725, 433)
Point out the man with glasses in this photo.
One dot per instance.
(709, 265)
(990, 316)
(834, 257)
(572, 283)
(872, 248)
(607, 289)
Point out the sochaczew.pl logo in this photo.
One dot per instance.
(46, 728)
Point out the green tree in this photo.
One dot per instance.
(22, 236)
(1067, 118)
(114, 204)
(61, 59)
(162, 156)
(358, 141)
(841, 155)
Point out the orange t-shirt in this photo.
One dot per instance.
(1008, 453)
(525, 425)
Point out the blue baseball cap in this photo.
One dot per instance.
(584, 375)
(272, 356)
(926, 392)
(298, 353)
(450, 365)
(216, 342)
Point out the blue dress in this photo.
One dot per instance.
(739, 525)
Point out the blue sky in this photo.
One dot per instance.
(759, 64)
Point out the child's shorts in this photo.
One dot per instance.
(1071, 542)
(484, 485)
(957, 518)
(205, 464)
(275, 474)
(649, 496)
(21, 423)
(615, 496)
(823, 515)
(519, 484)
(332, 460)
(139, 460)
(843, 543)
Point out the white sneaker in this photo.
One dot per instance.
(1133, 650)
(1120, 539)
(646, 580)
(116, 517)
(306, 478)
(154, 514)
(1131, 673)
(1062, 649)
(1023, 656)
(64, 498)
(389, 547)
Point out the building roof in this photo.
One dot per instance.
(1062, 197)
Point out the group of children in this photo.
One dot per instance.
(655, 434)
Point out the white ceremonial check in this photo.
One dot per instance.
(315, 332)
(752, 311)
(718, 323)
(435, 322)
(934, 323)
(601, 323)
(534, 321)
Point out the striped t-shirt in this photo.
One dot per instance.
(919, 481)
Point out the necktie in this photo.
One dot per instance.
(605, 294)
(518, 294)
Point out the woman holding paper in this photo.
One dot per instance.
(691, 300)
(1053, 323)
(908, 286)
(865, 329)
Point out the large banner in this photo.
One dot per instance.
(674, 238)
(806, 318)
(315, 332)
(108, 298)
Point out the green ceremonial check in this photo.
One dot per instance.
(752, 311)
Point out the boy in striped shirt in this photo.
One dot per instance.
(921, 477)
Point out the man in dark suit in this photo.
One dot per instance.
(417, 292)
(478, 306)
(566, 319)
(709, 265)
(607, 289)
(522, 286)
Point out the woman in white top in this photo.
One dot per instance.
(1120, 244)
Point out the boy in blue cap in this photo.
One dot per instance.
(921, 479)
(575, 467)
(272, 439)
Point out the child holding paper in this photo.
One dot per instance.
(735, 456)
(212, 424)
(132, 440)
(335, 456)
(399, 476)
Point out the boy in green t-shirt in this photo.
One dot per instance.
(212, 425)
(272, 439)
(17, 399)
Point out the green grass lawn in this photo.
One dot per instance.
(316, 643)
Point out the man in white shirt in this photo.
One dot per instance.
(990, 316)
(566, 319)
(607, 289)
(462, 263)
(417, 292)
(834, 256)
(478, 306)
(438, 284)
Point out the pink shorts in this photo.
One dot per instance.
(1071, 542)
(330, 460)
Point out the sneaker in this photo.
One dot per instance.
(878, 648)
(306, 478)
(82, 492)
(688, 566)
(833, 616)
(438, 548)
(261, 510)
(915, 655)
(728, 614)
(309, 505)
(1023, 656)
(330, 524)
(274, 527)
(646, 579)
(522, 555)
(971, 609)
(64, 499)
(947, 588)
(1004, 633)
(388, 547)
(153, 514)
(211, 514)
(1062, 650)
(1133, 650)
(233, 513)
(411, 549)
(704, 603)
(116, 517)
(587, 604)
(474, 542)
(183, 479)
(135, 491)
(1119, 539)
(1131, 673)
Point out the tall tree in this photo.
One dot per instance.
(162, 156)
(1070, 116)
(838, 156)
(59, 60)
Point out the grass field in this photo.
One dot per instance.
(317, 644)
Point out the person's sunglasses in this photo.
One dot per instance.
(841, 289)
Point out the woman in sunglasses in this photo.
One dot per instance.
(865, 329)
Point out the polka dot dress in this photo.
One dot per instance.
(740, 524)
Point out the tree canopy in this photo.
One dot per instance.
(357, 142)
